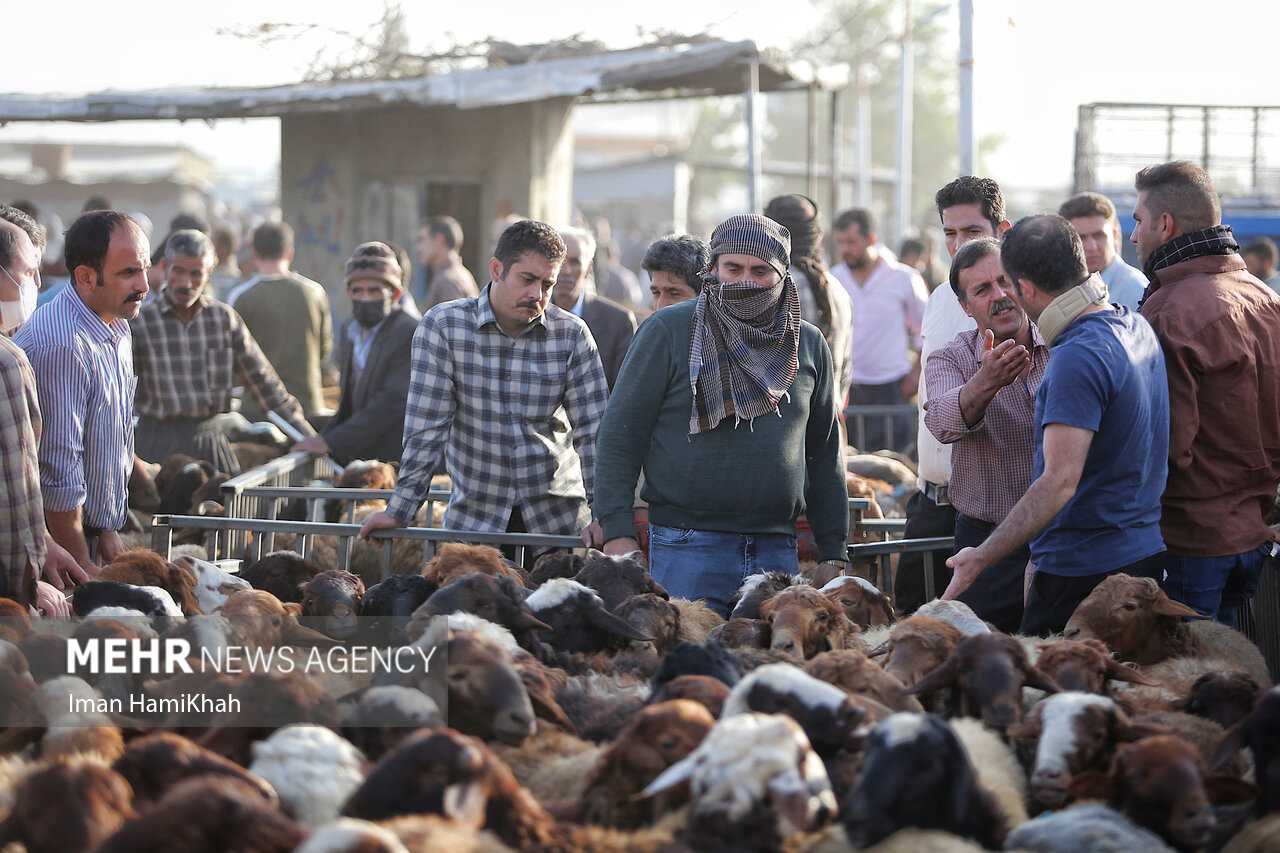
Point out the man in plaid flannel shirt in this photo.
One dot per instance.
(508, 390)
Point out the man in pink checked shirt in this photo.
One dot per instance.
(981, 401)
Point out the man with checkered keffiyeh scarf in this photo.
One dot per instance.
(727, 402)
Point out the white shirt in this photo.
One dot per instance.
(888, 310)
(943, 320)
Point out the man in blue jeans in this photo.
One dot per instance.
(727, 402)
(1219, 328)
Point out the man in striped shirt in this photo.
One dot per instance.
(981, 402)
(507, 390)
(189, 351)
(81, 349)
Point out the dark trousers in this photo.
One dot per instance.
(996, 594)
(925, 520)
(1053, 598)
(885, 394)
(200, 438)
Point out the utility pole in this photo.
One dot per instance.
(906, 90)
(968, 153)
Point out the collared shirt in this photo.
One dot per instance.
(188, 369)
(84, 374)
(361, 341)
(888, 309)
(943, 320)
(22, 541)
(991, 461)
(514, 420)
(1126, 284)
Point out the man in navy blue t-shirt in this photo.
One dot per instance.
(1102, 435)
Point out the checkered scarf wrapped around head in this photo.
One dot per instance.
(745, 340)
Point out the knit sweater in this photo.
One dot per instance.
(755, 477)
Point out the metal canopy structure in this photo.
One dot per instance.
(710, 68)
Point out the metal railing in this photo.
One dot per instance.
(162, 527)
(877, 556)
(891, 415)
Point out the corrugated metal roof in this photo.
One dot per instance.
(700, 69)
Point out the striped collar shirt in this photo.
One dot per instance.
(513, 419)
(84, 375)
(188, 369)
(991, 461)
(22, 541)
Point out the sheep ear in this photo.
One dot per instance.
(293, 608)
(526, 621)
(606, 621)
(790, 800)
(681, 771)
(1040, 681)
(1169, 607)
(465, 803)
(1228, 790)
(1117, 671)
(1232, 740)
(882, 649)
(943, 675)
(593, 554)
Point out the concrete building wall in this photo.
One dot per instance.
(364, 175)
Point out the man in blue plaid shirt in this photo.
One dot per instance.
(509, 390)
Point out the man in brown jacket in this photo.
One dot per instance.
(1219, 328)
(439, 244)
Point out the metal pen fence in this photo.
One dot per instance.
(898, 423)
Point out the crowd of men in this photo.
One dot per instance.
(1078, 416)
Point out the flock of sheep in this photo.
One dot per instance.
(587, 710)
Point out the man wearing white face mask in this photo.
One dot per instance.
(25, 545)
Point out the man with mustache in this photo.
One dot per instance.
(507, 391)
(81, 350)
(189, 350)
(727, 402)
(981, 402)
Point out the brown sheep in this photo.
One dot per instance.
(653, 616)
(261, 622)
(15, 621)
(155, 763)
(361, 474)
(990, 671)
(917, 645)
(706, 690)
(213, 814)
(331, 603)
(864, 604)
(1085, 665)
(455, 559)
(804, 622)
(147, 568)
(739, 633)
(67, 807)
(656, 737)
(858, 675)
(487, 697)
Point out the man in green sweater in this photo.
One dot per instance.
(727, 404)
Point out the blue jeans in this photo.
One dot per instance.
(1215, 586)
(706, 564)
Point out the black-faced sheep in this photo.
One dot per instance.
(387, 607)
(281, 573)
(331, 603)
(577, 620)
(615, 578)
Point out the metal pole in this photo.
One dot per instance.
(864, 135)
(968, 153)
(753, 135)
(1257, 151)
(811, 155)
(906, 91)
(837, 152)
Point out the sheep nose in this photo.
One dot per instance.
(786, 645)
(342, 610)
(1047, 776)
(1071, 632)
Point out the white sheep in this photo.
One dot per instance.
(348, 835)
(213, 584)
(955, 613)
(312, 769)
(1090, 827)
(135, 620)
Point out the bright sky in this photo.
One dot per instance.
(1035, 61)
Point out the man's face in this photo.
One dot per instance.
(990, 299)
(371, 290)
(573, 273)
(964, 222)
(669, 289)
(23, 267)
(853, 247)
(185, 277)
(519, 297)
(746, 268)
(1147, 234)
(118, 293)
(428, 246)
(1258, 265)
(1098, 235)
